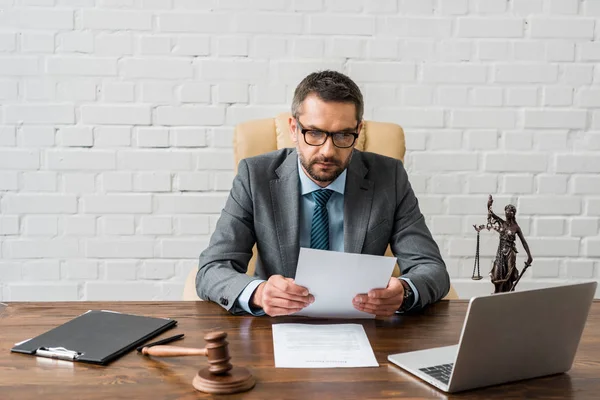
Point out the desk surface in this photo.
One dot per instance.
(137, 377)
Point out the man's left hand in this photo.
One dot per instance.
(381, 302)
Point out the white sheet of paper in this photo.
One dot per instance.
(334, 278)
(322, 346)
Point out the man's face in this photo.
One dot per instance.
(323, 164)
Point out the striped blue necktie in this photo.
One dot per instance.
(319, 230)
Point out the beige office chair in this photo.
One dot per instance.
(260, 136)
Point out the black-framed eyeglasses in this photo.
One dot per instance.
(316, 137)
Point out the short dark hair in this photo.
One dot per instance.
(329, 86)
(511, 208)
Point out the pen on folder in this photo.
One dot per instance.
(162, 341)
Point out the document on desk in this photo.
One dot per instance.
(322, 346)
(334, 278)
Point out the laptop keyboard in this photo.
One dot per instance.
(440, 372)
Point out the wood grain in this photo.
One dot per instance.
(135, 376)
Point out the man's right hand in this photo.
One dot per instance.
(280, 296)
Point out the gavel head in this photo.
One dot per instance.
(217, 349)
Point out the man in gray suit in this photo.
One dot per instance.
(323, 194)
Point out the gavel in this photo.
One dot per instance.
(220, 377)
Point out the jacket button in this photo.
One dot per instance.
(224, 301)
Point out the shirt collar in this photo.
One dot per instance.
(308, 186)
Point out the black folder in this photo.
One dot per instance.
(97, 337)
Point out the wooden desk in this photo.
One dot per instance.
(137, 377)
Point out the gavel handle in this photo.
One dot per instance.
(173, 351)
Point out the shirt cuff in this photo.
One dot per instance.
(243, 299)
(415, 291)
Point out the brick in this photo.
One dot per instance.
(114, 44)
(223, 180)
(589, 97)
(152, 137)
(158, 92)
(555, 119)
(456, 51)
(9, 225)
(490, 6)
(117, 204)
(453, 96)
(307, 5)
(232, 93)
(75, 136)
(193, 181)
(117, 181)
(445, 225)
(152, 182)
(344, 6)
(549, 205)
(415, 141)
(8, 90)
(580, 268)
(81, 66)
(37, 43)
(232, 46)
(416, 7)
(234, 70)
(120, 270)
(117, 291)
(556, 140)
(515, 162)
(273, 47)
(292, 72)
(121, 225)
(10, 272)
(237, 114)
(80, 225)
(270, 5)
(527, 7)
(337, 25)
(151, 225)
(189, 203)
(42, 248)
(188, 137)
(150, 160)
(501, 119)
(577, 74)
(44, 292)
(154, 45)
(30, 18)
(482, 139)
(554, 247)
(445, 161)
(454, 7)
(490, 27)
(526, 73)
(119, 248)
(7, 42)
(194, 4)
(37, 136)
(112, 136)
(562, 28)
(116, 114)
(551, 184)
(19, 159)
(39, 114)
(558, 96)
(181, 248)
(75, 270)
(195, 92)
(192, 45)
(75, 42)
(80, 159)
(518, 184)
(157, 68)
(548, 268)
(550, 226)
(482, 184)
(381, 7)
(530, 51)
(475, 205)
(40, 225)
(379, 94)
(487, 97)
(593, 206)
(384, 48)
(522, 97)
(417, 27)
(560, 51)
(411, 117)
(446, 184)
(381, 71)
(40, 203)
(40, 90)
(418, 50)
(158, 269)
(9, 180)
(584, 227)
(79, 183)
(118, 91)
(74, 90)
(222, 160)
(518, 140)
(189, 115)
(417, 95)
(589, 51)
(116, 20)
(222, 137)
(454, 73)
(195, 22)
(445, 140)
(586, 184)
(39, 181)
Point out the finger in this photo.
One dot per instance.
(287, 285)
(394, 288)
(274, 292)
(285, 304)
(387, 311)
(276, 311)
(392, 301)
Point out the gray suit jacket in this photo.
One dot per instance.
(380, 208)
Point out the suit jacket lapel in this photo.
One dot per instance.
(358, 198)
(285, 197)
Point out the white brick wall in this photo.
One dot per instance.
(117, 117)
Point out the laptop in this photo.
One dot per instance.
(508, 337)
